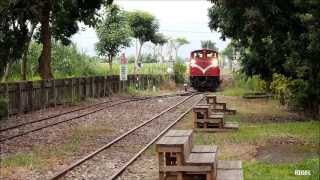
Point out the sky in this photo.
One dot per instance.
(177, 18)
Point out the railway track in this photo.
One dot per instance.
(110, 160)
(90, 109)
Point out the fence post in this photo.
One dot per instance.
(6, 89)
(79, 88)
(91, 87)
(19, 98)
(72, 92)
(53, 88)
(104, 86)
(43, 95)
(84, 88)
(30, 95)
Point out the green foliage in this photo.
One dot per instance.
(67, 62)
(148, 58)
(159, 39)
(291, 92)
(113, 33)
(208, 44)
(244, 84)
(58, 19)
(3, 107)
(148, 68)
(276, 37)
(179, 70)
(280, 87)
(143, 25)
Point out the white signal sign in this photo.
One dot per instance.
(123, 68)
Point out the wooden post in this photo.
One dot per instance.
(104, 86)
(43, 95)
(91, 86)
(30, 95)
(72, 92)
(179, 163)
(20, 98)
(79, 88)
(54, 91)
(161, 164)
(8, 99)
(84, 88)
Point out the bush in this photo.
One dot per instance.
(251, 84)
(280, 88)
(296, 93)
(179, 70)
(3, 107)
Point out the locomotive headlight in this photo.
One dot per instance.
(215, 63)
(192, 61)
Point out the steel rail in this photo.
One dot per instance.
(119, 172)
(77, 117)
(78, 109)
(89, 156)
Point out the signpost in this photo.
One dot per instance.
(123, 70)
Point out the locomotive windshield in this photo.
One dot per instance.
(204, 54)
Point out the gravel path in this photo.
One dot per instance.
(110, 160)
(101, 127)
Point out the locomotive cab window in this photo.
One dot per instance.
(198, 55)
(211, 55)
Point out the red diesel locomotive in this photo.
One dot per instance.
(204, 70)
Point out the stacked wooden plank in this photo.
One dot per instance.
(216, 106)
(179, 159)
(210, 116)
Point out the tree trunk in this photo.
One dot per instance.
(176, 51)
(138, 58)
(25, 54)
(6, 72)
(110, 62)
(45, 57)
(161, 54)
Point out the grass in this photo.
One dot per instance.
(147, 68)
(265, 171)
(46, 157)
(259, 133)
(233, 91)
(244, 143)
(28, 160)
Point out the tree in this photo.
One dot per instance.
(159, 40)
(14, 21)
(113, 33)
(58, 19)
(143, 26)
(208, 44)
(279, 37)
(177, 43)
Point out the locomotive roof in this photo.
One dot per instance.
(204, 50)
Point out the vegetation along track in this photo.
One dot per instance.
(29, 127)
(110, 160)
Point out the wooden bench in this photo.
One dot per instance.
(216, 106)
(178, 157)
(211, 122)
(229, 170)
(203, 119)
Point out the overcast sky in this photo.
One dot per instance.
(177, 18)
